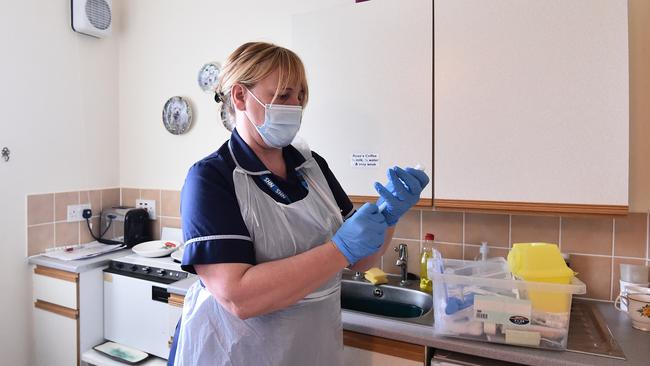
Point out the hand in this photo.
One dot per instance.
(362, 234)
(401, 193)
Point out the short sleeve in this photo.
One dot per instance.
(213, 228)
(342, 199)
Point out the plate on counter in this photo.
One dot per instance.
(178, 255)
(121, 353)
(156, 248)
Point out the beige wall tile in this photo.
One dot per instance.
(450, 251)
(93, 197)
(445, 226)
(40, 208)
(527, 229)
(84, 235)
(170, 222)
(129, 195)
(492, 228)
(39, 238)
(110, 197)
(408, 226)
(67, 233)
(152, 194)
(155, 229)
(630, 235)
(616, 285)
(390, 257)
(61, 202)
(596, 273)
(587, 235)
(472, 252)
(171, 203)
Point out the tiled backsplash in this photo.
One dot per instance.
(597, 245)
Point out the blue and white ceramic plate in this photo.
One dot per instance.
(121, 353)
(208, 77)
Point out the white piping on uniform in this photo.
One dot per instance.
(239, 166)
(217, 237)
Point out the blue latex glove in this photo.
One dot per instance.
(401, 193)
(362, 234)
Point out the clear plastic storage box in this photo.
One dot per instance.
(480, 300)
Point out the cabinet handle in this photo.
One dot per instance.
(56, 309)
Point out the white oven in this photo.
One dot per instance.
(136, 311)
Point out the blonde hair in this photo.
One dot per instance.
(252, 62)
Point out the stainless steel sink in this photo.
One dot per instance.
(391, 300)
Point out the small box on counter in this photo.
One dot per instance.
(480, 300)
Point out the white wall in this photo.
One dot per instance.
(58, 94)
(162, 46)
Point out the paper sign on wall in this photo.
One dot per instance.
(364, 160)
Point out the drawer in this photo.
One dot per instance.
(56, 287)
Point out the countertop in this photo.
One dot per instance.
(79, 265)
(635, 343)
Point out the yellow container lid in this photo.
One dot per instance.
(540, 262)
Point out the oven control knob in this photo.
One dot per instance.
(134, 268)
(146, 269)
(161, 272)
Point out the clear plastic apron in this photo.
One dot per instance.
(306, 333)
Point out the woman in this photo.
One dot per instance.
(268, 228)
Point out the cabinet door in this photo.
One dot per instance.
(365, 350)
(360, 357)
(370, 76)
(531, 109)
(55, 338)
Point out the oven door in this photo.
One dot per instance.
(135, 313)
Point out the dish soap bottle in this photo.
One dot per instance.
(427, 252)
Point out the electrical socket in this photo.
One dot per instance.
(75, 212)
(149, 205)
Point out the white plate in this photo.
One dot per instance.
(156, 248)
(178, 255)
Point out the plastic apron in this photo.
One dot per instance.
(306, 333)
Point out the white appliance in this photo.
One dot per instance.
(92, 17)
(136, 312)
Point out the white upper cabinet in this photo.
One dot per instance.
(370, 72)
(531, 101)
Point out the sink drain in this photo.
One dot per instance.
(378, 292)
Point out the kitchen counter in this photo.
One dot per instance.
(79, 265)
(635, 343)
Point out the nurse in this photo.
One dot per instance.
(268, 228)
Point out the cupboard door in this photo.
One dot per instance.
(531, 109)
(55, 338)
(361, 357)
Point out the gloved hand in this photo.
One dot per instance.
(401, 193)
(362, 234)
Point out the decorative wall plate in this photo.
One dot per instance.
(177, 115)
(209, 77)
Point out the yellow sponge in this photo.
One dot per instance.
(376, 276)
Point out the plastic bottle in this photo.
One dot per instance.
(427, 247)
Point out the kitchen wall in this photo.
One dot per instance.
(82, 114)
(58, 93)
(162, 46)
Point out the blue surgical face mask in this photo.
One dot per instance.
(281, 123)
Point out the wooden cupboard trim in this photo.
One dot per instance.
(530, 207)
(422, 203)
(57, 309)
(385, 346)
(57, 273)
(176, 300)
